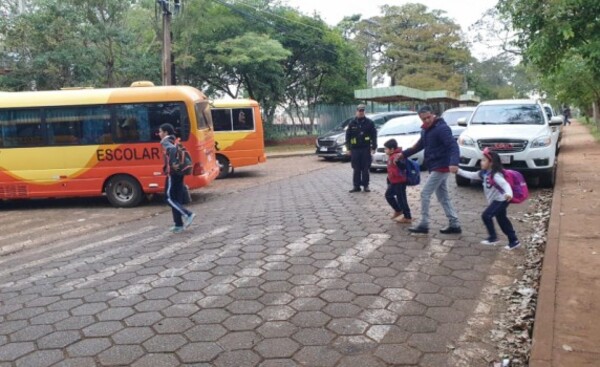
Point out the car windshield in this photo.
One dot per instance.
(520, 114)
(451, 117)
(401, 126)
(343, 125)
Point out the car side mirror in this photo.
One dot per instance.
(462, 121)
(556, 121)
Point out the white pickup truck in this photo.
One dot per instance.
(520, 131)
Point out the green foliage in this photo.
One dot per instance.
(562, 39)
(498, 78)
(416, 47)
(75, 43)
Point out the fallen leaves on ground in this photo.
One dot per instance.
(514, 330)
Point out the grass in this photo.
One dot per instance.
(592, 126)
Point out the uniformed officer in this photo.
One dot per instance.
(361, 142)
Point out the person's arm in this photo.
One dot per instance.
(414, 149)
(470, 175)
(373, 137)
(348, 136)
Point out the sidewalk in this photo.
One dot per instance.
(567, 322)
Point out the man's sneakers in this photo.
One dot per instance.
(367, 189)
(356, 189)
(176, 229)
(512, 245)
(489, 242)
(451, 230)
(419, 229)
(187, 221)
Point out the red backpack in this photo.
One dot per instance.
(517, 183)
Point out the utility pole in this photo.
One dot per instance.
(166, 43)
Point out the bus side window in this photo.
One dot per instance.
(21, 128)
(221, 119)
(243, 119)
(130, 123)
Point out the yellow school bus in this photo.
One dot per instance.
(239, 134)
(93, 142)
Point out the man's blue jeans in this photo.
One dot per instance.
(437, 182)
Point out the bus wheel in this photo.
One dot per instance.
(224, 166)
(124, 191)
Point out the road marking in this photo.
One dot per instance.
(141, 259)
(214, 254)
(75, 251)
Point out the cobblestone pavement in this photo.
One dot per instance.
(295, 272)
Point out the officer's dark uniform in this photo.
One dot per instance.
(361, 137)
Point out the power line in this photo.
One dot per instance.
(279, 16)
(279, 27)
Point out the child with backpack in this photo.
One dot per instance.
(498, 193)
(396, 190)
(174, 168)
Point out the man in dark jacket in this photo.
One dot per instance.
(440, 157)
(361, 142)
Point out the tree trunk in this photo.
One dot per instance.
(595, 112)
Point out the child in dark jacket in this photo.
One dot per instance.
(396, 190)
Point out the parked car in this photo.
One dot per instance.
(550, 113)
(452, 115)
(406, 130)
(332, 145)
(519, 131)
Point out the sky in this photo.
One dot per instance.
(464, 12)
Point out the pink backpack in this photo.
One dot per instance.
(517, 183)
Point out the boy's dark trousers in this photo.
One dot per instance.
(174, 194)
(360, 159)
(396, 197)
(498, 209)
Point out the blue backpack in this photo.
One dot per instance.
(413, 172)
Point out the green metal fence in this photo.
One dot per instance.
(326, 118)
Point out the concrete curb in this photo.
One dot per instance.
(291, 154)
(543, 330)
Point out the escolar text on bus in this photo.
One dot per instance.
(127, 154)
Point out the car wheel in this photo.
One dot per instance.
(548, 179)
(124, 191)
(462, 181)
(224, 166)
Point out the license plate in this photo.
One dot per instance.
(323, 149)
(505, 159)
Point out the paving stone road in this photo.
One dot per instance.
(290, 272)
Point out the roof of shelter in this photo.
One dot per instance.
(400, 93)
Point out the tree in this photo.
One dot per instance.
(417, 47)
(291, 59)
(74, 43)
(499, 78)
(550, 32)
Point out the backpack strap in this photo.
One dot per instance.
(491, 177)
